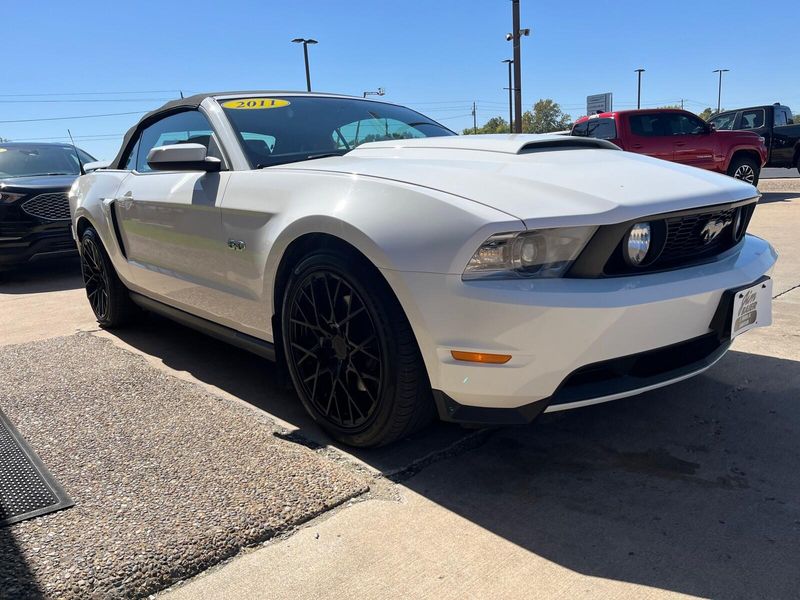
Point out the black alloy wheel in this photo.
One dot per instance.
(351, 354)
(335, 349)
(95, 277)
(108, 297)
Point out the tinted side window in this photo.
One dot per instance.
(684, 125)
(581, 129)
(724, 121)
(781, 118)
(181, 128)
(751, 119)
(602, 129)
(648, 125)
(130, 164)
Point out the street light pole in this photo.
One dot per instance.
(514, 36)
(639, 89)
(305, 43)
(510, 95)
(719, 90)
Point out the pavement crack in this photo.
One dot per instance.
(794, 287)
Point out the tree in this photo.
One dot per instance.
(493, 125)
(546, 116)
(706, 114)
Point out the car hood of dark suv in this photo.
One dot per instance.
(38, 182)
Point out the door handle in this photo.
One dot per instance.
(680, 144)
(126, 200)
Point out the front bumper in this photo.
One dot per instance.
(28, 242)
(554, 328)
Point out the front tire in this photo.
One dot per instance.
(108, 297)
(351, 354)
(744, 168)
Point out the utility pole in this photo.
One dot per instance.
(516, 33)
(681, 103)
(639, 89)
(510, 89)
(305, 43)
(719, 91)
(474, 118)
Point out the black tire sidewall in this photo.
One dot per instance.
(383, 315)
(117, 295)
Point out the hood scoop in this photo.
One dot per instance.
(503, 143)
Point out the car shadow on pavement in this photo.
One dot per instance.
(768, 197)
(261, 384)
(694, 488)
(35, 278)
(14, 568)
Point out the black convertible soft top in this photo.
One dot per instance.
(194, 101)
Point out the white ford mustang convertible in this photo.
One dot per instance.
(400, 271)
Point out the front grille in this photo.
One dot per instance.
(685, 235)
(53, 206)
(682, 240)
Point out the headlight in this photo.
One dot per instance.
(8, 197)
(637, 244)
(541, 253)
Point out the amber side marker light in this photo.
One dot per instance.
(480, 357)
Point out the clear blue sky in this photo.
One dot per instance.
(437, 56)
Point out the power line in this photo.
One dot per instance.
(88, 93)
(87, 100)
(136, 112)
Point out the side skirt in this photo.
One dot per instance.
(215, 330)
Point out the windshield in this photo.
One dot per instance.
(279, 130)
(20, 160)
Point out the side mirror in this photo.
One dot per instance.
(182, 157)
(711, 127)
(95, 165)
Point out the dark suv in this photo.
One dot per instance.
(34, 208)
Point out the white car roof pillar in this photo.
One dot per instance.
(227, 136)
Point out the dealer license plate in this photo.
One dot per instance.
(752, 307)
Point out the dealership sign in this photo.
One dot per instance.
(598, 103)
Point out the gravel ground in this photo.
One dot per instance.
(167, 479)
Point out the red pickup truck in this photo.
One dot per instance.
(679, 136)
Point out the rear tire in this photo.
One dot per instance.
(351, 353)
(744, 168)
(108, 297)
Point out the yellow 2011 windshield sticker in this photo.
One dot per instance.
(255, 103)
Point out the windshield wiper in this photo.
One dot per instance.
(289, 159)
(43, 174)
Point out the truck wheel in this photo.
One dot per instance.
(108, 297)
(744, 168)
(351, 353)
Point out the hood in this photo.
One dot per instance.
(39, 182)
(543, 180)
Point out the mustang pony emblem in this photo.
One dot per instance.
(713, 228)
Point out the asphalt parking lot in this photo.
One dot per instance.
(690, 490)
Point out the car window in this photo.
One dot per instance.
(602, 129)
(372, 130)
(23, 160)
(648, 125)
(280, 130)
(580, 129)
(188, 127)
(781, 118)
(679, 124)
(724, 121)
(752, 119)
